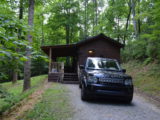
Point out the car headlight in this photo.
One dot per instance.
(128, 82)
(92, 79)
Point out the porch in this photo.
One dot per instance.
(63, 63)
(59, 74)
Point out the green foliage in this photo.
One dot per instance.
(11, 94)
(69, 21)
(147, 61)
(39, 64)
(65, 19)
(135, 50)
(12, 47)
(9, 41)
(147, 46)
(3, 92)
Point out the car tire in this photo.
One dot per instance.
(80, 85)
(84, 96)
(129, 100)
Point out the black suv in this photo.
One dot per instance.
(103, 77)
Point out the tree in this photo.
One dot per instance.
(9, 42)
(27, 64)
(127, 21)
(15, 70)
(85, 19)
(95, 21)
(133, 4)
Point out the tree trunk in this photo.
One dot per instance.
(20, 17)
(139, 21)
(96, 15)
(27, 64)
(134, 19)
(67, 34)
(15, 71)
(118, 29)
(86, 20)
(96, 12)
(42, 24)
(128, 17)
(15, 76)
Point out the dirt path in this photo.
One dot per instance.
(140, 109)
(26, 104)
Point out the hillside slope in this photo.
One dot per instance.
(11, 94)
(145, 77)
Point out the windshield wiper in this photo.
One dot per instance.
(111, 70)
(93, 69)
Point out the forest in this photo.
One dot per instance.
(26, 25)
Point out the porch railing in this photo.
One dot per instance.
(57, 67)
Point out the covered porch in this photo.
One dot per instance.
(63, 63)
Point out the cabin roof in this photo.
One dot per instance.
(71, 49)
(100, 36)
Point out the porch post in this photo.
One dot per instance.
(50, 60)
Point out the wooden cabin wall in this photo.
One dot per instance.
(101, 48)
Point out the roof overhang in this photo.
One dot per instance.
(61, 50)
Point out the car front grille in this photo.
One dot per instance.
(111, 80)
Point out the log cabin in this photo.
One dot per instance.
(96, 46)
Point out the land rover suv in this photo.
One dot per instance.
(103, 77)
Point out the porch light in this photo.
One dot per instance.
(90, 51)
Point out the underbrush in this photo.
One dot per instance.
(11, 94)
(53, 106)
(145, 77)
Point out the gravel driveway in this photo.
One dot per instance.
(140, 109)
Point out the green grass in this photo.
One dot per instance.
(14, 92)
(146, 77)
(53, 106)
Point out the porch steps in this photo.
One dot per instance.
(70, 78)
(54, 77)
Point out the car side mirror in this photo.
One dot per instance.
(124, 70)
(81, 66)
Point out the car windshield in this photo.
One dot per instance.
(103, 64)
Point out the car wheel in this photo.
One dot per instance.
(129, 99)
(83, 94)
(80, 85)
